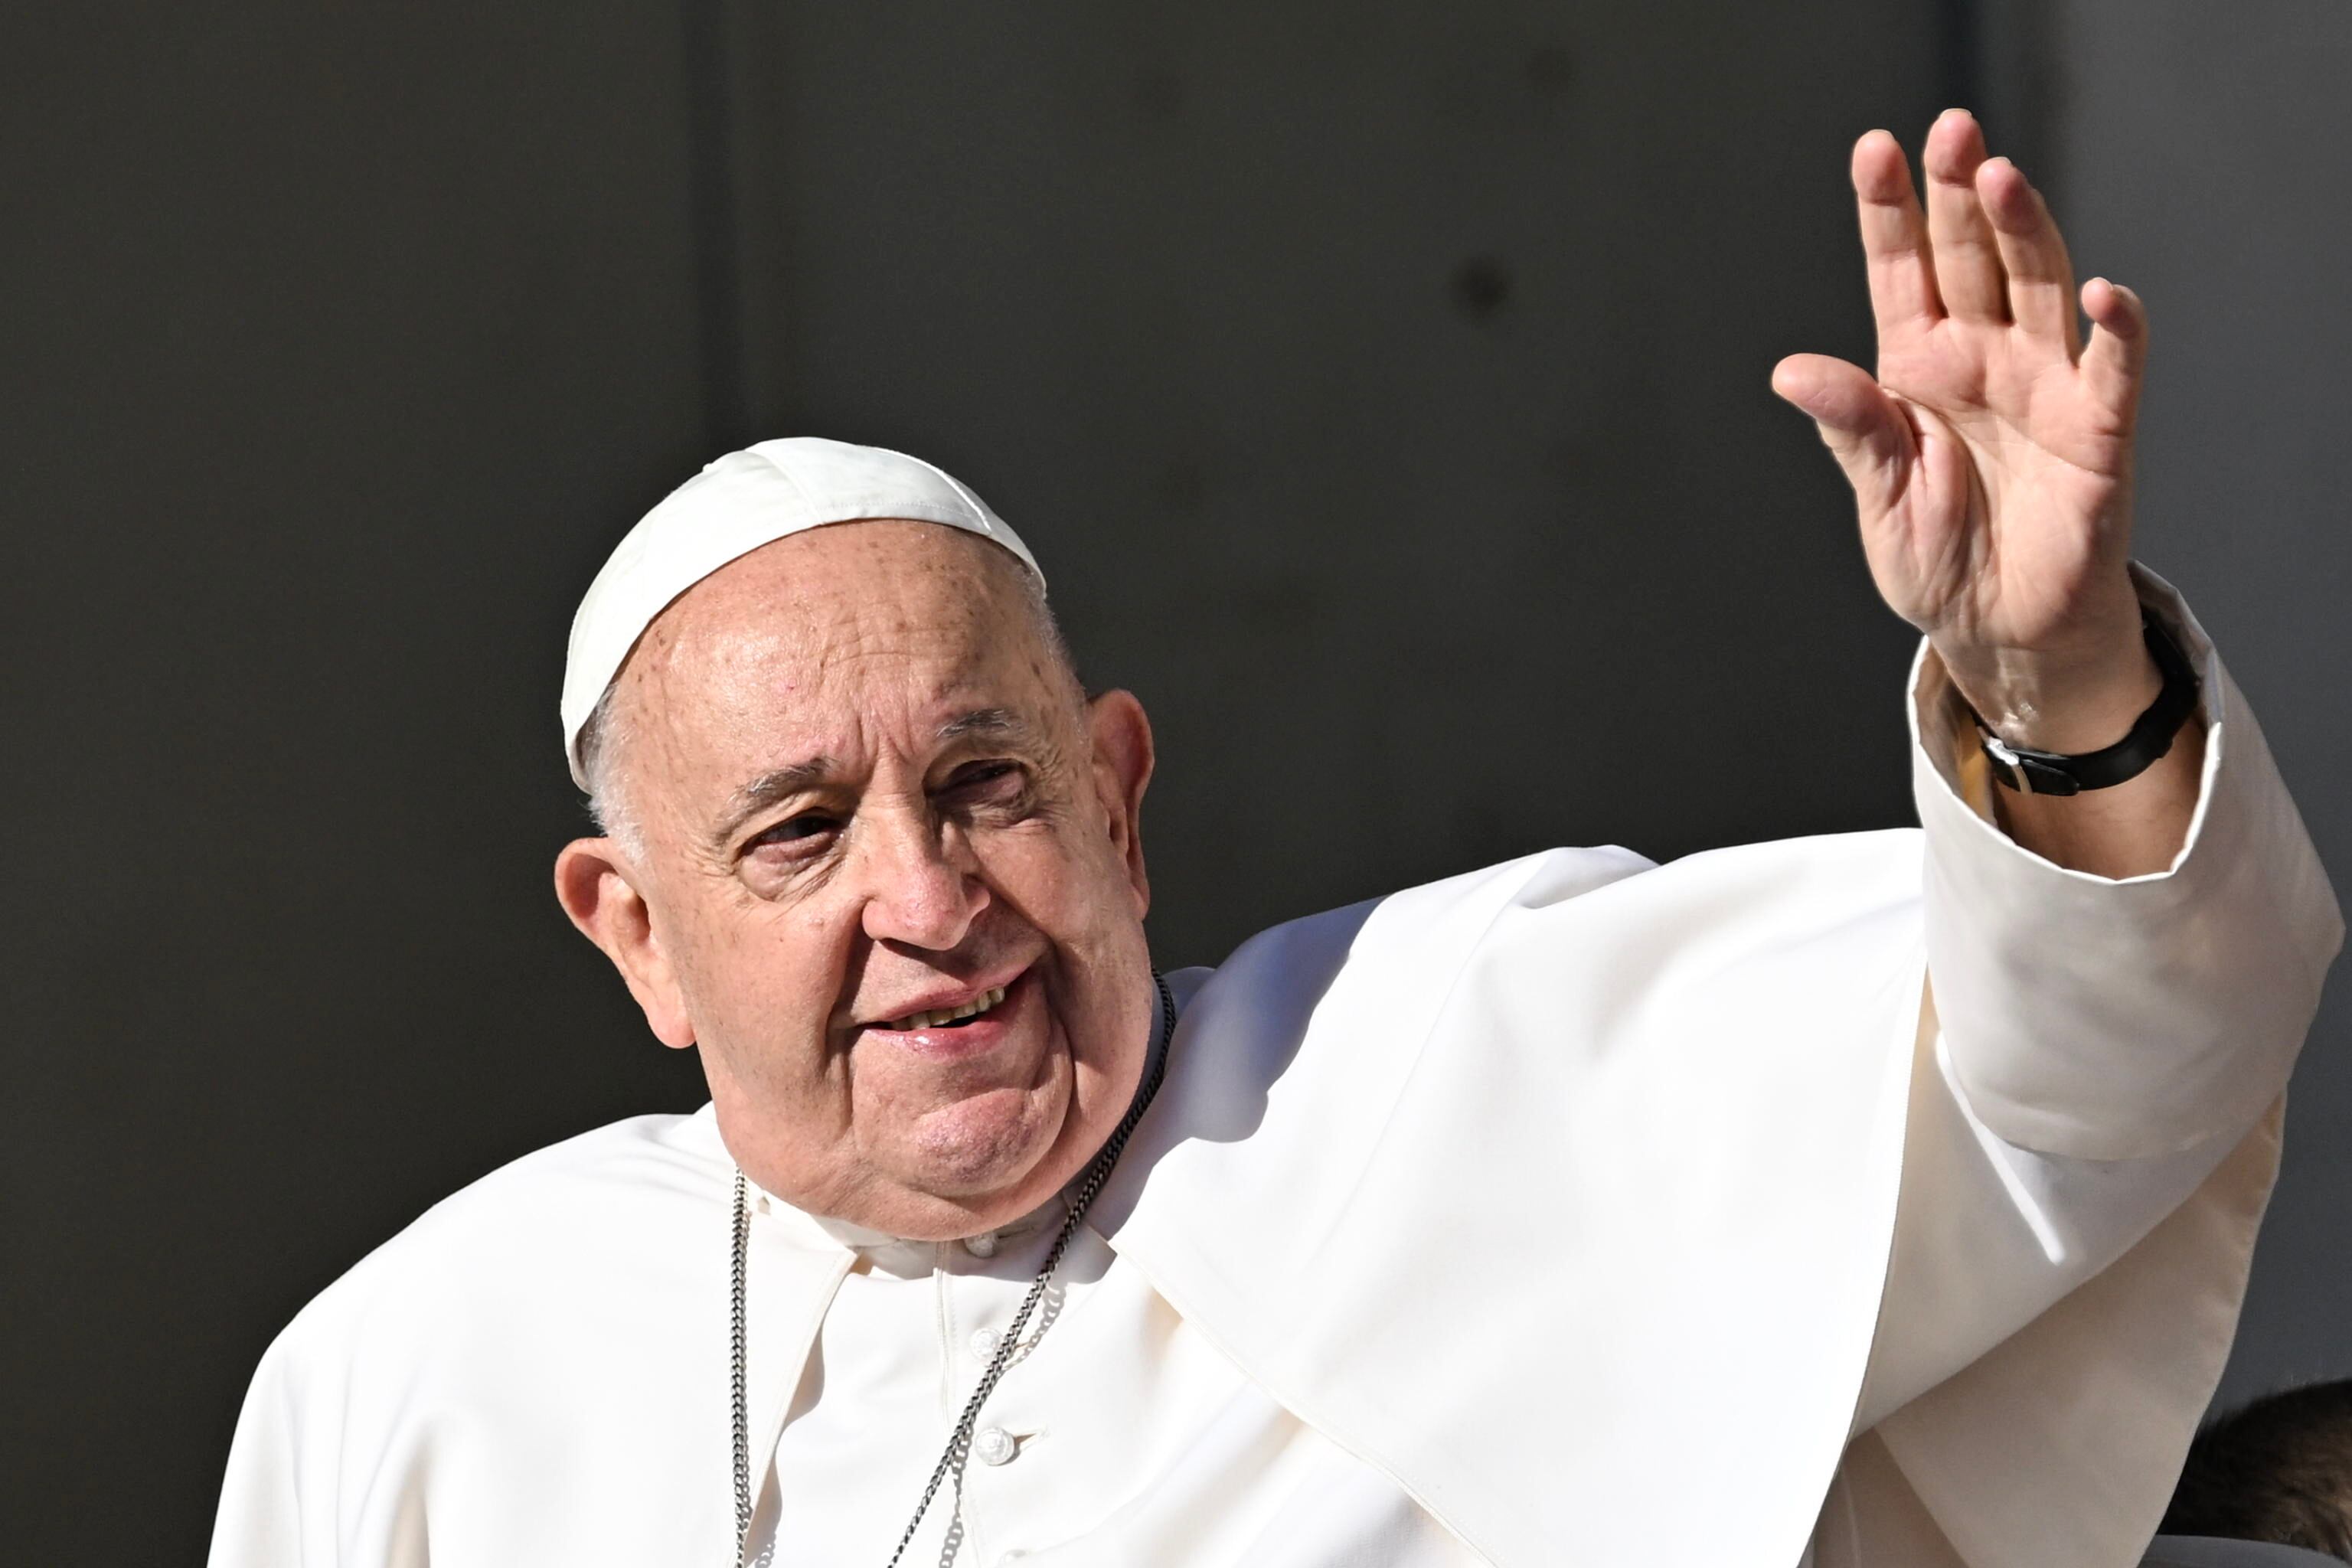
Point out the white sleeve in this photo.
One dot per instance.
(313, 1479)
(2092, 1136)
(259, 1523)
(2119, 1020)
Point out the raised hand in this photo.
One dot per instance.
(1991, 454)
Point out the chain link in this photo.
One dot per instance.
(742, 1407)
(959, 1446)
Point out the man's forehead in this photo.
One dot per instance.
(841, 695)
(872, 561)
(814, 655)
(810, 608)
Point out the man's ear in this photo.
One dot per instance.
(1122, 770)
(594, 882)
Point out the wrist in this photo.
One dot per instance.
(2039, 770)
(2069, 701)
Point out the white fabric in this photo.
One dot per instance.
(1545, 1211)
(1131, 1440)
(737, 504)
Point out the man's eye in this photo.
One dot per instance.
(796, 829)
(986, 780)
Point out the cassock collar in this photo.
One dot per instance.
(1007, 1247)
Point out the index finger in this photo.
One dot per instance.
(1894, 245)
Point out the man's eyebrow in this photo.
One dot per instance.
(782, 783)
(988, 723)
(1006, 727)
(777, 784)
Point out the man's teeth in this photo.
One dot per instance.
(938, 1015)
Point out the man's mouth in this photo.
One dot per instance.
(948, 1018)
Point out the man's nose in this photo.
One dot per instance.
(922, 883)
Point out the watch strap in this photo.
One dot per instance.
(2029, 771)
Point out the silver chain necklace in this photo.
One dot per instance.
(959, 1440)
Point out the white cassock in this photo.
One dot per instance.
(1576, 1211)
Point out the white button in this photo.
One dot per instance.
(984, 1343)
(994, 1446)
(981, 1245)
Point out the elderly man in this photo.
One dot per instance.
(1883, 1199)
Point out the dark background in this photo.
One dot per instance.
(1383, 387)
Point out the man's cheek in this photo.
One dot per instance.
(1057, 877)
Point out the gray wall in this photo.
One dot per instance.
(336, 346)
(1388, 403)
(1384, 390)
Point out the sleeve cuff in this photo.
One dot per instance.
(2116, 1019)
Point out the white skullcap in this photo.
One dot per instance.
(741, 501)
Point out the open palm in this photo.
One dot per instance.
(1991, 455)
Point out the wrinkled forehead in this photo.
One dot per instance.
(879, 611)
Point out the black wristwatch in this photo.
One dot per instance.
(2048, 773)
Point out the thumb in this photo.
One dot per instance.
(1862, 425)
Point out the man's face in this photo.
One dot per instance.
(870, 804)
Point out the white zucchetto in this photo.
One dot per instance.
(740, 502)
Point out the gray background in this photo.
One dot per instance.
(1382, 385)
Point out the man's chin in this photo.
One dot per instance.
(984, 1151)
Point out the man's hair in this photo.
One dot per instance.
(601, 744)
(604, 739)
(2279, 1469)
